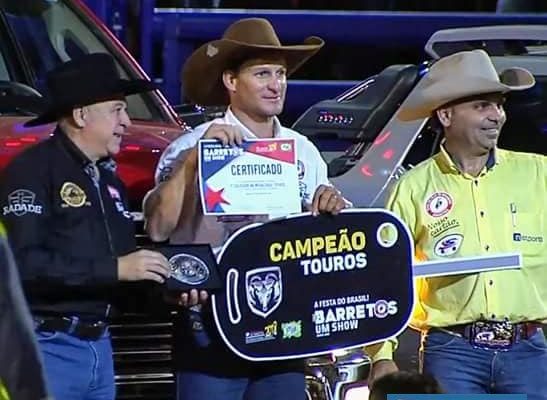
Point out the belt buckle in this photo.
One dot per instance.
(492, 335)
(89, 331)
(52, 324)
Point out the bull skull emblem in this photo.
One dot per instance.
(264, 290)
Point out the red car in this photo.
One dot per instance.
(38, 35)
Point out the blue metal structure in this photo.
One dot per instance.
(179, 31)
(174, 33)
(114, 14)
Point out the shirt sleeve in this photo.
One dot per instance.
(26, 201)
(321, 170)
(176, 152)
(400, 201)
(317, 164)
(322, 174)
(382, 351)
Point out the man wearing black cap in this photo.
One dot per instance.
(65, 212)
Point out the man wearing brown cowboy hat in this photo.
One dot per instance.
(65, 211)
(481, 333)
(247, 69)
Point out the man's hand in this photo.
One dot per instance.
(327, 200)
(186, 299)
(379, 369)
(143, 265)
(229, 135)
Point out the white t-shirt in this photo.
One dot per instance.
(197, 228)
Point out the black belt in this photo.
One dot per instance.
(520, 331)
(493, 334)
(71, 326)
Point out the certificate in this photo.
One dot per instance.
(258, 177)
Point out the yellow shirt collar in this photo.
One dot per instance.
(447, 165)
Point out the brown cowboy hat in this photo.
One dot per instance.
(458, 76)
(202, 71)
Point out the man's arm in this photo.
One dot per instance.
(172, 200)
(325, 198)
(176, 177)
(163, 206)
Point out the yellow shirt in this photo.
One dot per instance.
(3, 392)
(451, 214)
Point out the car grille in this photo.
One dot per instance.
(142, 357)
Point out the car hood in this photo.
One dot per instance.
(150, 135)
(137, 160)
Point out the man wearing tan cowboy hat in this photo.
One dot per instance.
(481, 333)
(247, 70)
(65, 211)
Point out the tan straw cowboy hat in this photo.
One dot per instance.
(458, 76)
(202, 71)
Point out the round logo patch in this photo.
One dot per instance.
(72, 194)
(301, 170)
(438, 204)
(387, 235)
(188, 269)
(448, 245)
